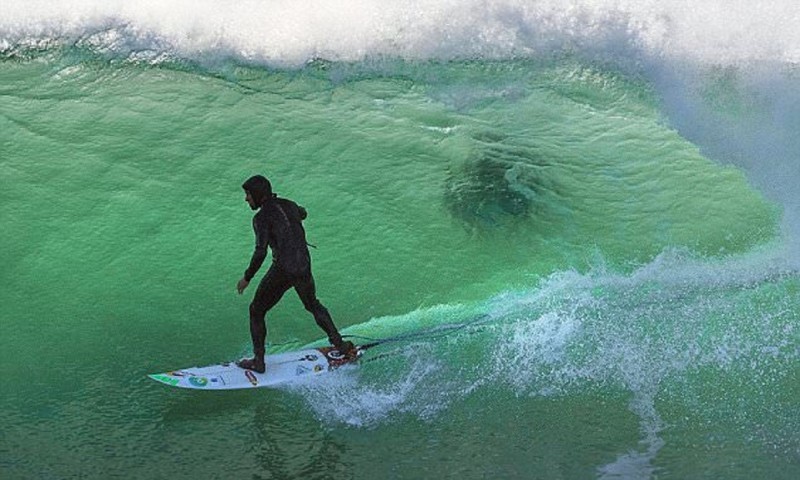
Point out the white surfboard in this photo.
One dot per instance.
(281, 368)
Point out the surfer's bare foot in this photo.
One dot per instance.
(254, 364)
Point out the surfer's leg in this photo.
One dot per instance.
(269, 292)
(307, 291)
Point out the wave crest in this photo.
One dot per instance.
(292, 33)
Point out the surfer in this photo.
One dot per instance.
(278, 225)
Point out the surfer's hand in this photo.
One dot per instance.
(243, 283)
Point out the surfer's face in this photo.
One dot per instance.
(249, 199)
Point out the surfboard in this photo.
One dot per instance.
(281, 368)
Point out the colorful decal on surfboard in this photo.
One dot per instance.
(166, 379)
(198, 381)
(252, 377)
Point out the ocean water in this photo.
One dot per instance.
(585, 216)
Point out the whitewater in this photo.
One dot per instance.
(582, 217)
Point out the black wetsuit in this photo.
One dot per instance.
(278, 225)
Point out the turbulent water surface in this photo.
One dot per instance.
(583, 217)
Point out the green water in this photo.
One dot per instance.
(639, 317)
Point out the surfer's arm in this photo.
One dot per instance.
(260, 252)
(255, 263)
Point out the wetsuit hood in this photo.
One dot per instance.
(259, 187)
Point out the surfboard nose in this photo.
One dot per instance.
(161, 378)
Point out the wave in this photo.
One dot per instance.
(726, 72)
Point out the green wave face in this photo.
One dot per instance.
(636, 296)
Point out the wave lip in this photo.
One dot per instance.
(292, 33)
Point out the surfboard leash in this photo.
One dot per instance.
(433, 332)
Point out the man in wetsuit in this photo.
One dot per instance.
(278, 225)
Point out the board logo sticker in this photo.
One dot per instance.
(198, 381)
(301, 370)
(251, 376)
(317, 368)
(310, 357)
